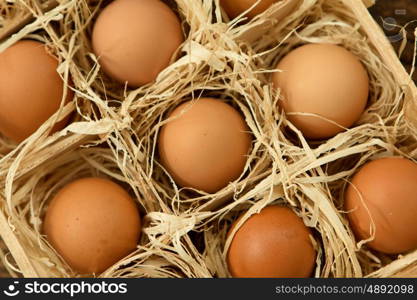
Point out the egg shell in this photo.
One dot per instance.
(234, 8)
(326, 80)
(274, 243)
(135, 40)
(205, 144)
(92, 223)
(31, 89)
(384, 192)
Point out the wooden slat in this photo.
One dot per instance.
(390, 58)
(368, 3)
(382, 44)
(21, 22)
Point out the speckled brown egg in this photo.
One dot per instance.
(383, 195)
(31, 89)
(326, 85)
(135, 40)
(92, 223)
(274, 243)
(234, 8)
(205, 145)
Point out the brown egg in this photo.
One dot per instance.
(234, 8)
(92, 223)
(135, 40)
(206, 146)
(274, 243)
(384, 192)
(325, 80)
(31, 89)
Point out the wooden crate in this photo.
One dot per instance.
(406, 266)
(15, 17)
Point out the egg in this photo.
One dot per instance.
(92, 223)
(274, 243)
(135, 40)
(205, 144)
(327, 81)
(234, 8)
(382, 198)
(31, 89)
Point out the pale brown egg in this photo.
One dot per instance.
(31, 89)
(274, 243)
(383, 193)
(234, 8)
(135, 40)
(327, 81)
(206, 145)
(92, 223)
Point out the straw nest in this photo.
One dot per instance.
(114, 131)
